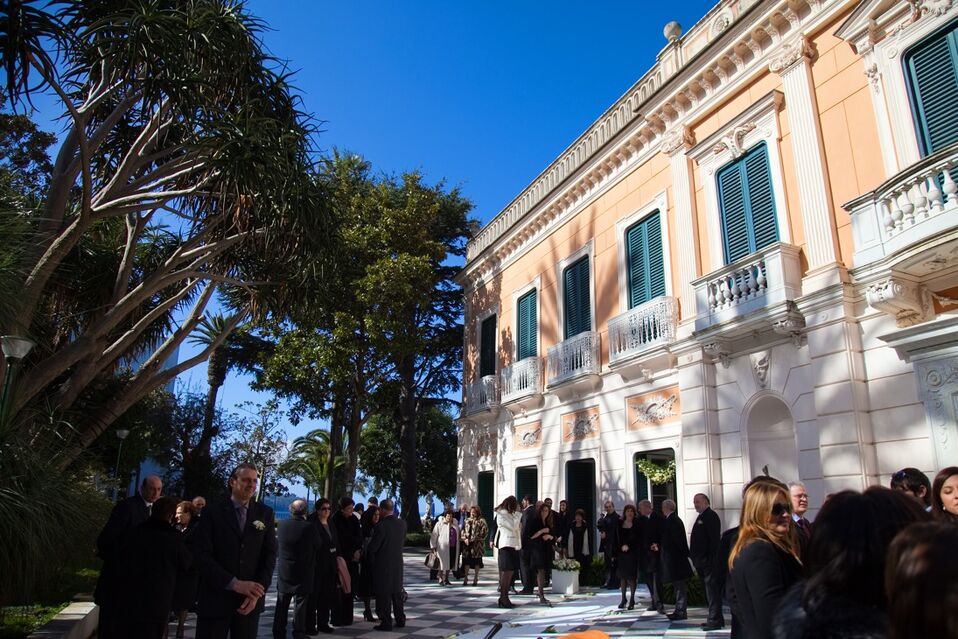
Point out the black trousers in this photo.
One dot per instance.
(611, 571)
(526, 572)
(281, 616)
(389, 606)
(681, 596)
(318, 606)
(236, 626)
(653, 580)
(713, 593)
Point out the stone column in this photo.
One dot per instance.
(793, 64)
(675, 145)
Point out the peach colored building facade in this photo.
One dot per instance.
(749, 260)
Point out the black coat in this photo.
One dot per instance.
(224, 552)
(184, 597)
(760, 576)
(674, 551)
(125, 516)
(525, 531)
(704, 544)
(298, 542)
(385, 555)
(609, 524)
(651, 534)
(349, 534)
(325, 575)
(151, 559)
(829, 616)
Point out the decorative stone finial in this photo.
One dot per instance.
(672, 31)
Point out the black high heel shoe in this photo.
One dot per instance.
(368, 615)
(622, 603)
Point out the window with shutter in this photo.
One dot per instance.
(487, 347)
(932, 70)
(527, 482)
(527, 328)
(576, 299)
(747, 204)
(646, 270)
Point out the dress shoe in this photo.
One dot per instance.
(325, 629)
(400, 624)
(368, 616)
(383, 627)
(677, 616)
(712, 625)
(527, 591)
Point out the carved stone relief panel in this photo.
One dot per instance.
(582, 424)
(657, 408)
(486, 443)
(527, 436)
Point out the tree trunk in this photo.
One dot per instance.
(352, 454)
(334, 487)
(409, 489)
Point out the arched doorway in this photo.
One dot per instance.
(771, 440)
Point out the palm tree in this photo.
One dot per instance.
(309, 459)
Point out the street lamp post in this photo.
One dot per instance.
(14, 350)
(121, 433)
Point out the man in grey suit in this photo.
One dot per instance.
(298, 542)
(385, 556)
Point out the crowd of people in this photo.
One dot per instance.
(875, 564)
(163, 558)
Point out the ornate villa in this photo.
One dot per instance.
(748, 262)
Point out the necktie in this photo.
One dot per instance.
(241, 517)
(149, 510)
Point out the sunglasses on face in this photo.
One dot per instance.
(325, 508)
(780, 509)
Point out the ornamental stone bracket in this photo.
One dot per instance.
(734, 141)
(908, 302)
(799, 49)
(718, 350)
(791, 323)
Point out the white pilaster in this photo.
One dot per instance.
(793, 65)
(676, 144)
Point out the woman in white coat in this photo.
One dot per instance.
(507, 541)
(445, 541)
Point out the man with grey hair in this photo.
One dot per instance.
(703, 548)
(674, 559)
(799, 508)
(298, 542)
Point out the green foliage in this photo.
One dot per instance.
(657, 474)
(437, 441)
(417, 540)
(596, 574)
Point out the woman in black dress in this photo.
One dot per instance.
(543, 547)
(184, 596)
(326, 576)
(630, 536)
(579, 544)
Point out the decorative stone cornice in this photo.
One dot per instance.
(933, 7)
(792, 53)
(733, 141)
(633, 128)
(676, 139)
(908, 302)
(717, 350)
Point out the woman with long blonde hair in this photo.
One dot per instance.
(764, 562)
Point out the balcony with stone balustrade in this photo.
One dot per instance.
(748, 297)
(521, 384)
(639, 339)
(481, 399)
(575, 364)
(917, 207)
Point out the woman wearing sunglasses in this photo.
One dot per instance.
(764, 562)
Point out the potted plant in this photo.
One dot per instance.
(565, 576)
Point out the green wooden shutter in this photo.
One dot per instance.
(932, 69)
(577, 304)
(485, 499)
(527, 482)
(527, 326)
(646, 270)
(580, 487)
(761, 202)
(487, 347)
(747, 204)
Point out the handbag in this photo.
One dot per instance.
(430, 558)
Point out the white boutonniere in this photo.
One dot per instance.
(258, 525)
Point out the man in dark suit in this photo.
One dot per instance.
(236, 553)
(126, 515)
(674, 559)
(152, 557)
(608, 526)
(649, 556)
(704, 546)
(385, 557)
(298, 542)
(525, 551)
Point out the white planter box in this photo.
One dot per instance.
(565, 582)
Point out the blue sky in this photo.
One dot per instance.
(482, 94)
